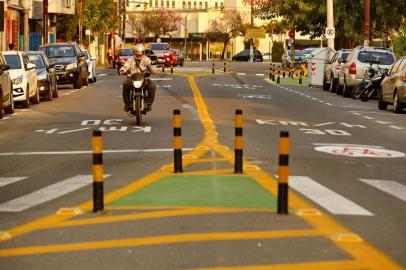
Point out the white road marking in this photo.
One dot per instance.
(259, 74)
(384, 122)
(393, 188)
(356, 113)
(329, 104)
(101, 75)
(396, 127)
(193, 111)
(330, 200)
(9, 180)
(241, 73)
(48, 193)
(70, 131)
(346, 144)
(89, 152)
(5, 118)
(368, 117)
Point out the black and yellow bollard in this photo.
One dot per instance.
(225, 67)
(212, 69)
(283, 173)
(270, 71)
(238, 143)
(300, 77)
(163, 67)
(177, 141)
(273, 72)
(284, 71)
(171, 68)
(98, 193)
(278, 80)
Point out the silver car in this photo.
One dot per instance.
(358, 62)
(332, 70)
(393, 87)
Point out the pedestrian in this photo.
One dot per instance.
(109, 57)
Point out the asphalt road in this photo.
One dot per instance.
(347, 164)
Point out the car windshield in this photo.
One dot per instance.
(37, 60)
(382, 58)
(125, 52)
(308, 50)
(60, 51)
(160, 46)
(13, 60)
(299, 53)
(344, 55)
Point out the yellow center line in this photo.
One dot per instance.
(155, 240)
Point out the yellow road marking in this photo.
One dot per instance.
(155, 240)
(331, 265)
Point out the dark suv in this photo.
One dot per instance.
(69, 62)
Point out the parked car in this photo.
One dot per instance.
(150, 53)
(393, 87)
(245, 56)
(267, 56)
(123, 55)
(6, 89)
(332, 69)
(358, 62)
(286, 58)
(91, 64)
(46, 75)
(180, 59)
(307, 52)
(163, 52)
(24, 78)
(70, 63)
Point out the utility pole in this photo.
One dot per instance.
(330, 22)
(124, 11)
(26, 6)
(80, 21)
(252, 26)
(367, 13)
(45, 21)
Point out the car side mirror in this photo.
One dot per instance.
(82, 54)
(385, 72)
(31, 66)
(4, 68)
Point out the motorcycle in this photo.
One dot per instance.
(373, 85)
(369, 74)
(137, 96)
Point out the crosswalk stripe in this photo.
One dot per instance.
(9, 180)
(48, 193)
(330, 200)
(393, 188)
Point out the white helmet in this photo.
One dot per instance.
(139, 48)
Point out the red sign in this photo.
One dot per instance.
(291, 34)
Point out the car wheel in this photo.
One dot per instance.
(333, 85)
(35, 99)
(397, 106)
(26, 102)
(78, 83)
(1, 105)
(382, 105)
(346, 90)
(49, 95)
(10, 108)
(85, 79)
(326, 86)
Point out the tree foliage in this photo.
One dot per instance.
(158, 22)
(229, 26)
(309, 17)
(100, 16)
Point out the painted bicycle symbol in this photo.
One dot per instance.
(359, 151)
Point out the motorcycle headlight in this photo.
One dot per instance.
(42, 76)
(18, 80)
(72, 66)
(137, 84)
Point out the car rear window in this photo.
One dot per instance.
(159, 46)
(36, 59)
(13, 60)
(127, 52)
(383, 58)
(344, 55)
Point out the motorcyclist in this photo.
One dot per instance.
(138, 63)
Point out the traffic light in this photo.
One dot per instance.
(127, 3)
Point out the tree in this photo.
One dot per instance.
(277, 27)
(156, 23)
(100, 16)
(309, 17)
(226, 28)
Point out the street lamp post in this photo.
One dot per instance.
(367, 12)
(45, 21)
(330, 22)
(252, 39)
(26, 6)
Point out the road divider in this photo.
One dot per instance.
(177, 141)
(283, 173)
(98, 193)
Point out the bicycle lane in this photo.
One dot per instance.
(207, 191)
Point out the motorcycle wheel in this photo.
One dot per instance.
(137, 110)
(357, 92)
(364, 96)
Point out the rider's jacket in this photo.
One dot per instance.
(144, 64)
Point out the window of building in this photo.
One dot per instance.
(216, 5)
(194, 5)
(206, 5)
(189, 5)
(173, 4)
(167, 4)
(156, 3)
(200, 5)
(162, 3)
(150, 3)
(184, 5)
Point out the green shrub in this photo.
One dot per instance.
(277, 51)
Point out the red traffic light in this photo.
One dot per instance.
(291, 33)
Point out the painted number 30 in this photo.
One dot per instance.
(336, 132)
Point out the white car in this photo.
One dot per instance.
(91, 63)
(6, 89)
(24, 78)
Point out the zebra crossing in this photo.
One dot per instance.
(324, 197)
